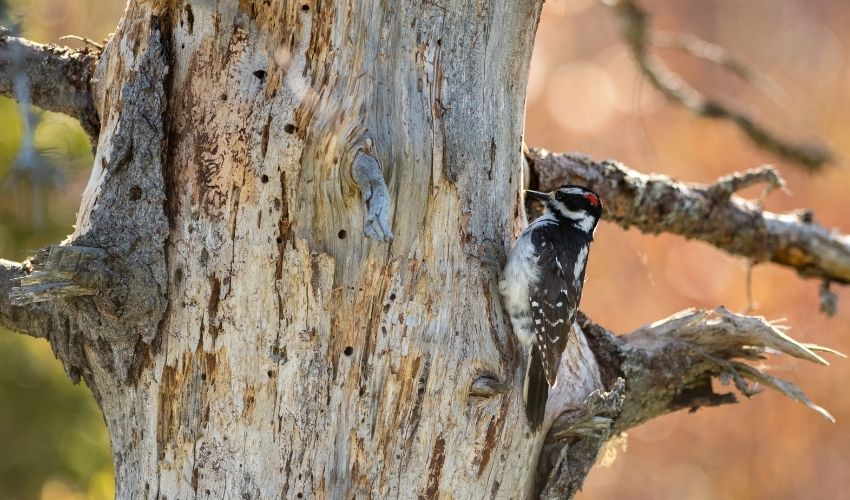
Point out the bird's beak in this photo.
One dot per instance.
(537, 195)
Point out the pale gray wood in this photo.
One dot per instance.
(296, 355)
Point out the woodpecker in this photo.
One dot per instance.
(542, 285)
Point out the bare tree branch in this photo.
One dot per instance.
(58, 77)
(670, 363)
(711, 52)
(636, 32)
(656, 204)
(660, 368)
(31, 319)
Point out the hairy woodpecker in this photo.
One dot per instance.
(542, 285)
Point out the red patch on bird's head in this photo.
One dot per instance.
(592, 199)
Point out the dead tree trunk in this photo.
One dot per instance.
(266, 346)
(282, 281)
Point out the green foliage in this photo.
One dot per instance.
(49, 429)
(38, 209)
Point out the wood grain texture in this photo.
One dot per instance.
(296, 356)
(33, 320)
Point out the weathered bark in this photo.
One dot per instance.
(24, 319)
(296, 356)
(656, 203)
(58, 77)
(282, 280)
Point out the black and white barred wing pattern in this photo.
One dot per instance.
(552, 305)
(554, 301)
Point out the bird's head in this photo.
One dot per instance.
(576, 205)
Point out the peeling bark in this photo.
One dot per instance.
(294, 356)
(32, 320)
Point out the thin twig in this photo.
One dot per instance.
(716, 54)
(736, 182)
(82, 39)
(748, 286)
(828, 299)
(636, 33)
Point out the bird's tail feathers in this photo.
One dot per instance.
(536, 389)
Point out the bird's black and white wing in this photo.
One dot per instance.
(553, 298)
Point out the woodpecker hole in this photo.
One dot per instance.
(264, 178)
(392, 296)
(270, 373)
(305, 8)
(203, 376)
(135, 193)
(289, 128)
(260, 73)
(223, 97)
(341, 234)
(279, 240)
(190, 17)
(348, 350)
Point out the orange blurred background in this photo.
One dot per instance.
(585, 94)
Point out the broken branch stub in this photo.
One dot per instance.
(663, 367)
(61, 272)
(669, 364)
(106, 285)
(730, 184)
